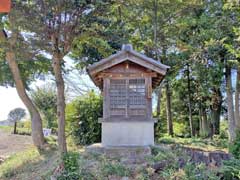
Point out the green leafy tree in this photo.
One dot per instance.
(232, 7)
(202, 34)
(153, 24)
(45, 99)
(16, 115)
(15, 49)
(55, 26)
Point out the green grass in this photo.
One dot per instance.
(6, 128)
(29, 164)
(16, 161)
(20, 130)
(205, 144)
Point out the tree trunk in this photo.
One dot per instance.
(155, 30)
(216, 114)
(190, 103)
(204, 125)
(168, 109)
(15, 128)
(237, 95)
(159, 100)
(200, 120)
(57, 60)
(231, 120)
(216, 109)
(37, 133)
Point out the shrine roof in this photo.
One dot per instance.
(127, 54)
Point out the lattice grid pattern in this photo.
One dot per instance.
(127, 94)
(137, 92)
(118, 93)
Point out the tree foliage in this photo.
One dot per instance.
(82, 118)
(45, 99)
(16, 114)
(198, 39)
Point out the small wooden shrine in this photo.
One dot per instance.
(126, 80)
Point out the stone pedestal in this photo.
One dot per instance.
(127, 155)
(127, 133)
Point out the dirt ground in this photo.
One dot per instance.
(10, 143)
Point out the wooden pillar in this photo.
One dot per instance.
(148, 87)
(106, 98)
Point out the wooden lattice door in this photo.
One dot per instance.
(127, 97)
(118, 97)
(137, 97)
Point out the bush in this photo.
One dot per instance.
(160, 128)
(71, 167)
(219, 141)
(24, 128)
(180, 129)
(82, 119)
(231, 169)
(223, 134)
(198, 172)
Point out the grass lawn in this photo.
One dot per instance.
(214, 144)
(6, 128)
(20, 130)
(29, 165)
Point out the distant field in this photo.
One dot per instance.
(5, 128)
(10, 143)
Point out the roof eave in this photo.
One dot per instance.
(134, 53)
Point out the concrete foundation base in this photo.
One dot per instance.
(127, 133)
(127, 155)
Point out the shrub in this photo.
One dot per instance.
(24, 128)
(82, 119)
(27, 124)
(71, 161)
(160, 128)
(223, 134)
(198, 172)
(219, 141)
(71, 167)
(180, 129)
(231, 169)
